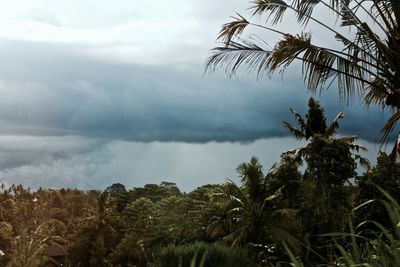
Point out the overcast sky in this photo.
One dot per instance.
(97, 92)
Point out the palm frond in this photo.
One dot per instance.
(215, 226)
(349, 139)
(235, 210)
(383, 12)
(272, 197)
(389, 126)
(276, 9)
(348, 17)
(376, 92)
(299, 118)
(236, 236)
(233, 28)
(319, 64)
(296, 154)
(335, 124)
(358, 148)
(298, 134)
(288, 49)
(305, 9)
(235, 199)
(234, 55)
(364, 162)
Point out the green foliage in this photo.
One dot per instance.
(202, 255)
(313, 123)
(253, 179)
(385, 174)
(329, 161)
(285, 177)
(363, 246)
(313, 128)
(247, 215)
(115, 189)
(150, 191)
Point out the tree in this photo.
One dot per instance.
(97, 237)
(115, 189)
(324, 194)
(365, 61)
(247, 215)
(150, 191)
(141, 235)
(313, 123)
(313, 128)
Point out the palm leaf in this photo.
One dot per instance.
(335, 124)
(298, 134)
(236, 54)
(233, 28)
(390, 125)
(305, 9)
(276, 9)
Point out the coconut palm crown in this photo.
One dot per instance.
(364, 60)
(314, 124)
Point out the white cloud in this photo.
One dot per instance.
(140, 31)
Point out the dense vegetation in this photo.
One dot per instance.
(311, 208)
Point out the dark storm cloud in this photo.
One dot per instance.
(69, 119)
(50, 89)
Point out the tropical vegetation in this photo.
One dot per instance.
(322, 204)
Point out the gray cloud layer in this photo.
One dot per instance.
(70, 120)
(54, 90)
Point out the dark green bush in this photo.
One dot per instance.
(201, 254)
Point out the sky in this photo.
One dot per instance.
(98, 92)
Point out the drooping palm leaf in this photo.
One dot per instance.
(232, 29)
(298, 134)
(335, 124)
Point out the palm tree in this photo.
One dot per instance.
(253, 179)
(365, 61)
(102, 225)
(249, 215)
(313, 124)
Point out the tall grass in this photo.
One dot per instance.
(369, 244)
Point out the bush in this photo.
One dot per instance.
(201, 254)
